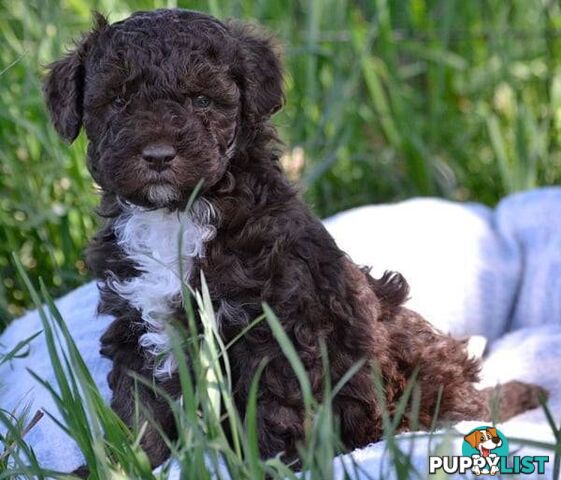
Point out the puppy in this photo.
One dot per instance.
(167, 99)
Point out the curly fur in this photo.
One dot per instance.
(136, 82)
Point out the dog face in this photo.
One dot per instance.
(484, 440)
(166, 98)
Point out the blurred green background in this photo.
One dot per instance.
(386, 99)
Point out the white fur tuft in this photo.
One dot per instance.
(152, 239)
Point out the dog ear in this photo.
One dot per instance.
(63, 87)
(262, 76)
(63, 90)
(472, 438)
(492, 431)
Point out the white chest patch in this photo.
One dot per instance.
(153, 240)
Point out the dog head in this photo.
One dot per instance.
(165, 98)
(484, 440)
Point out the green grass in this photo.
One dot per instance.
(385, 100)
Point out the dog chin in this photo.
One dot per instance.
(162, 195)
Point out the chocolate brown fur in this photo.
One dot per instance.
(133, 83)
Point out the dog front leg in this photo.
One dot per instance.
(280, 428)
(126, 392)
(138, 405)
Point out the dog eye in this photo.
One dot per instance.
(201, 101)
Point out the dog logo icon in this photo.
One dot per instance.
(485, 445)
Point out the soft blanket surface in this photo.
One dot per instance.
(472, 271)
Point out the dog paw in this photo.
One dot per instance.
(536, 394)
(530, 395)
(518, 397)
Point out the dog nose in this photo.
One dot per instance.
(158, 156)
(496, 440)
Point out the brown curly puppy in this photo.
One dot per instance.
(171, 97)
